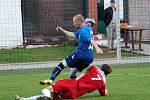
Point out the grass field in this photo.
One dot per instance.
(127, 82)
(22, 55)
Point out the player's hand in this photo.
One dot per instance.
(98, 50)
(58, 28)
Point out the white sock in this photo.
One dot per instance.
(46, 92)
(31, 98)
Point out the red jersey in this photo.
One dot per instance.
(93, 79)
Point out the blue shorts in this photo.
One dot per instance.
(79, 60)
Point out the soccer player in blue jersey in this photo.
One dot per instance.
(82, 57)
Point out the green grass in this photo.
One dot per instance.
(127, 82)
(21, 55)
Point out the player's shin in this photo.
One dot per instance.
(56, 71)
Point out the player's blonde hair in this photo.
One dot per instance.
(79, 19)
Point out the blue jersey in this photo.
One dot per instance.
(83, 55)
(84, 35)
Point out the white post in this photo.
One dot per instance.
(10, 24)
(118, 31)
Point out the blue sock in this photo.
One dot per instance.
(56, 71)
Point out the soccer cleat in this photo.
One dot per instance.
(18, 98)
(44, 98)
(48, 82)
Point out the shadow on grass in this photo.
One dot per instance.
(90, 96)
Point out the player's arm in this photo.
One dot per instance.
(68, 33)
(89, 37)
(103, 92)
(98, 50)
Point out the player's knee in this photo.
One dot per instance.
(46, 92)
(63, 64)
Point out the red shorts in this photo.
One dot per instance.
(66, 88)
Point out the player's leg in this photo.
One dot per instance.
(73, 73)
(80, 65)
(29, 98)
(39, 97)
(58, 69)
(72, 62)
(71, 70)
(81, 61)
(54, 73)
(67, 62)
(46, 95)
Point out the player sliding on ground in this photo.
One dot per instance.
(82, 57)
(93, 79)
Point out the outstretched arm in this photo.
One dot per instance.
(68, 33)
(98, 50)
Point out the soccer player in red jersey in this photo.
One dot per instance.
(93, 79)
